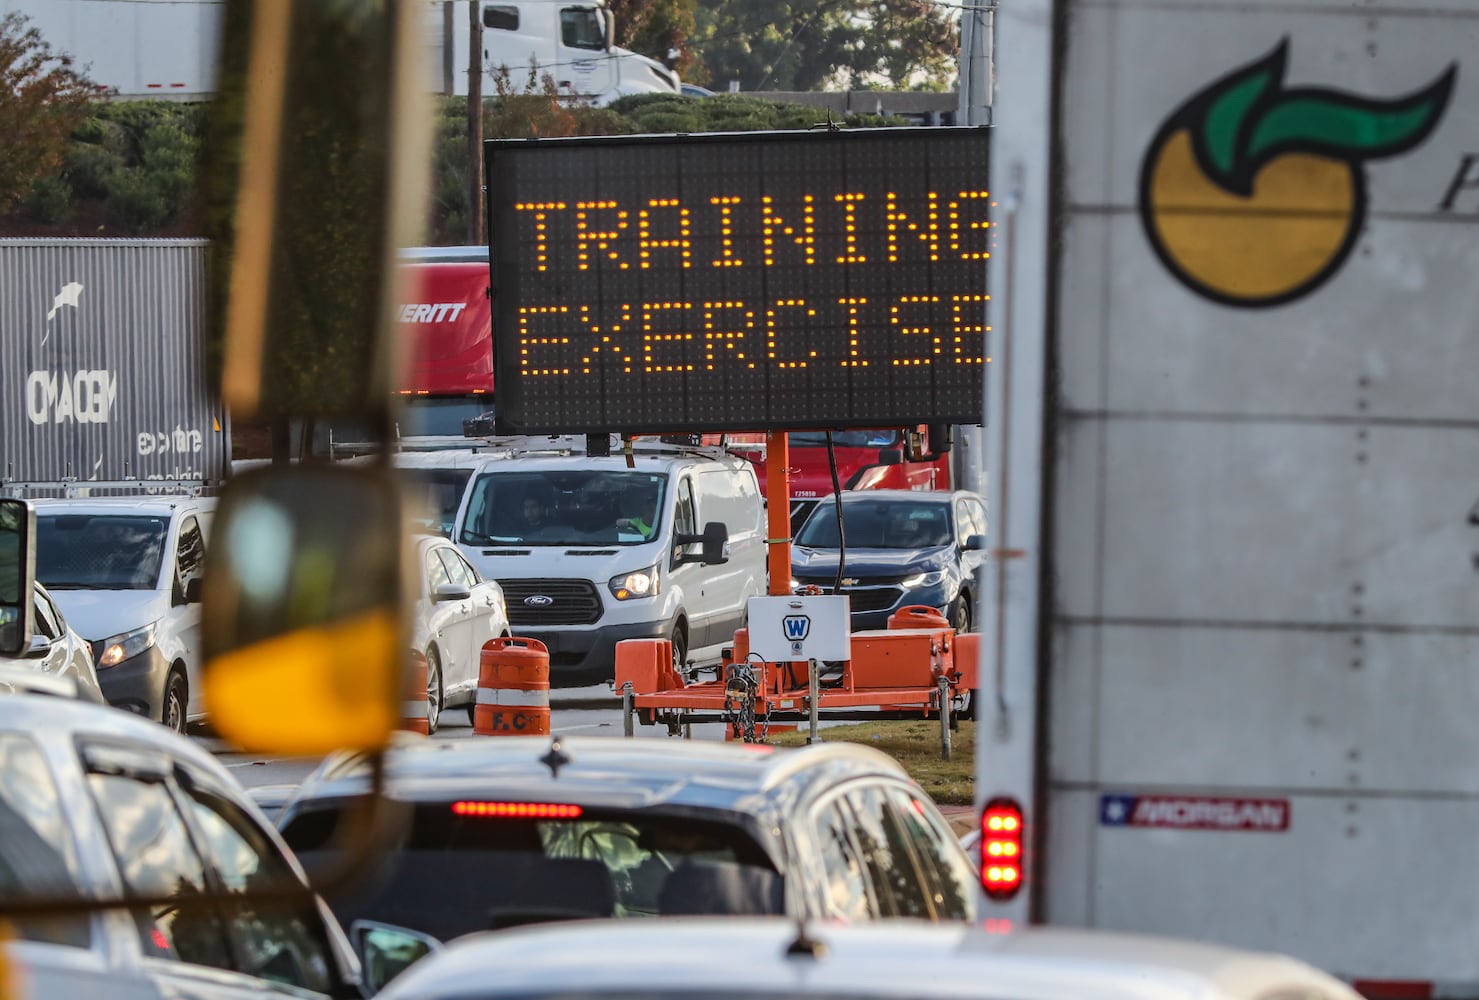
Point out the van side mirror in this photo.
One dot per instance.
(193, 589)
(303, 588)
(975, 543)
(715, 543)
(17, 575)
(38, 647)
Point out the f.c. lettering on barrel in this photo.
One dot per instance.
(513, 689)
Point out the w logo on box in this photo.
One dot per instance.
(797, 627)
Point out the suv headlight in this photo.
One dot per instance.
(129, 644)
(922, 580)
(629, 586)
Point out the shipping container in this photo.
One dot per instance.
(102, 362)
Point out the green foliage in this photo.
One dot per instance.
(729, 113)
(50, 201)
(656, 28)
(820, 44)
(134, 166)
(42, 100)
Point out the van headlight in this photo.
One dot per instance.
(922, 580)
(629, 586)
(126, 645)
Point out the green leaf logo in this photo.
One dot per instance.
(1241, 150)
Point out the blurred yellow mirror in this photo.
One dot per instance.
(301, 612)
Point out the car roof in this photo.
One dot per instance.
(123, 505)
(905, 959)
(599, 772)
(65, 718)
(642, 462)
(866, 496)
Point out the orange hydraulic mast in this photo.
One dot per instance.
(778, 502)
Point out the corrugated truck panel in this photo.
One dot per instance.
(102, 373)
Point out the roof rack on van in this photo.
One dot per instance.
(579, 444)
(71, 488)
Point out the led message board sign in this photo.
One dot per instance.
(731, 281)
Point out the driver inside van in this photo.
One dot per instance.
(635, 510)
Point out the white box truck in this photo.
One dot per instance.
(1230, 661)
(167, 48)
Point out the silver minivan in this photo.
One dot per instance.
(665, 543)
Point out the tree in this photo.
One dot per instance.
(815, 44)
(42, 100)
(662, 29)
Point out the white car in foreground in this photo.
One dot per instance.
(777, 959)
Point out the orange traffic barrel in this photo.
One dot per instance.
(918, 616)
(413, 709)
(513, 689)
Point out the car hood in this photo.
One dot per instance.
(102, 614)
(870, 562)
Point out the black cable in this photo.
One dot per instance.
(837, 500)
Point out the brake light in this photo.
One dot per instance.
(1002, 843)
(517, 810)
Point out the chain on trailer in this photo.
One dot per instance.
(740, 695)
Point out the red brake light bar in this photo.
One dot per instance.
(1002, 840)
(517, 810)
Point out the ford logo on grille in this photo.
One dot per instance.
(538, 601)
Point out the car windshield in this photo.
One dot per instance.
(99, 551)
(879, 524)
(845, 439)
(432, 496)
(563, 507)
(460, 870)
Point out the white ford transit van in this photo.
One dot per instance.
(590, 551)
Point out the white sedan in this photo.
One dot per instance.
(456, 612)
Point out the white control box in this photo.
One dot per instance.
(785, 629)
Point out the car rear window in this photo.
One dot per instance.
(456, 873)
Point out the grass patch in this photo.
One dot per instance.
(915, 745)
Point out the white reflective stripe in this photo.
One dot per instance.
(513, 699)
(413, 710)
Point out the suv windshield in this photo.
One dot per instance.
(460, 871)
(99, 551)
(563, 507)
(879, 524)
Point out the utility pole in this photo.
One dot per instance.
(977, 62)
(475, 123)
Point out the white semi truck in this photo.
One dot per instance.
(1230, 662)
(167, 48)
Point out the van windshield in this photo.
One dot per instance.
(99, 551)
(563, 507)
